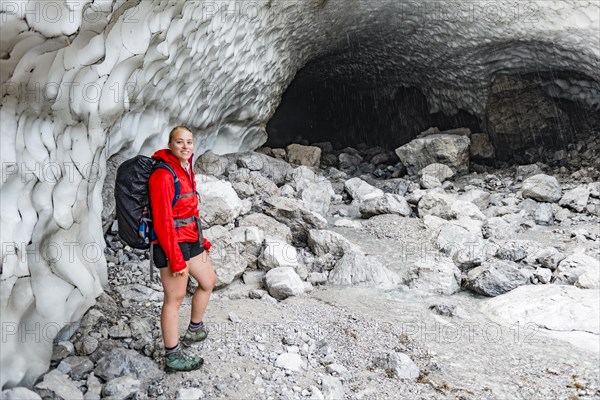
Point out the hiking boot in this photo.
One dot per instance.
(194, 336)
(182, 361)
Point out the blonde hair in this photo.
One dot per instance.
(177, 128)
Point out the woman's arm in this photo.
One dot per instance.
(162, 190)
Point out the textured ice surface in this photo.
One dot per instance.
(84, 80)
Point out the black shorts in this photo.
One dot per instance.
(188, 249)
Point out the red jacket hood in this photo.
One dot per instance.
(168, 157)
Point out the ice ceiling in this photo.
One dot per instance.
(82, 81)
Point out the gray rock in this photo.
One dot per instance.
(87, 345)
(517, 250)
(119, 362)
(479, 197)
(227, 256)
(61, 350)
(19, 393)
(121, 388)
(348, 161)
(253, 278)
(386, 204)
(323, 242)
(435, 276)
(450, 150)
(544, 214)
(294, 214)
(399, 365)
(303, 155)
(94, 388)
(76, 366)
(429, 182)
(211, 164)
(464, 244)
(573, 266)
(495, 278)
(243, 189)
(277, 253)
(361, 190)
(435, 203)
(283, 282)
(252, 238)
(332, 388)
(575, 199)
(549, 257)
(269, 225)
(355, 268)
(499, 228)
(317, 278)
(481, 147)
(56, 385)
(542, 188)
(525, 171)
(251, 160)
(588, 280)
(439, 171)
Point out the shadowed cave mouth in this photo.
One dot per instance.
(346, 106)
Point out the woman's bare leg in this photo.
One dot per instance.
(174, 292)
(201, 268)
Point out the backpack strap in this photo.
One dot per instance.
(175, 181)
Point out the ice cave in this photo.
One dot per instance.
(83, 81)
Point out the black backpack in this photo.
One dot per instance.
(132, 200)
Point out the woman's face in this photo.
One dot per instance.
(182, 145)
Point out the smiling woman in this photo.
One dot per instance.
(180, 249)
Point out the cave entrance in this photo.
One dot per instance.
(348, 109)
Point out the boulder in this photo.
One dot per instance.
(482, 147)
(575, 199)
(387, 204)
(277, 253)
(121, 388)
(542, 188)
(439, 171)
(56, 385)
(294, 214)
(494, 278)
(211, 164)
(356, 268)
(517, 250)
(434, 275)
(450, 150)
(480, 198)
(19, 393)
(251, 237)
(499, 228)
(269, 225)
(219, 203)
(303, 155)
(289, 361)
(283, 282)
(550, 257)
(572, 267)
(579, 310)
(323, 242)
(119, 362)
(228, 257)
(361, 190)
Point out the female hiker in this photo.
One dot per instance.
(180, 249)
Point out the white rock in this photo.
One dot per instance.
(575, 199)
(190, 394)
(283, 282)
(219, 203)
(387, 204)
(495, 278)
(439, 171)
(332, 388)
(401, 366)
(354, 268)
(572, 267)
(322, 242)
(361, 190)
(542, 187)
(277, 253)
(289, 361)
(451, 150)
(435, 276)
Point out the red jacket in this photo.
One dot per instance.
(162, 191)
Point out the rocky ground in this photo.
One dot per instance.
(367, 274)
